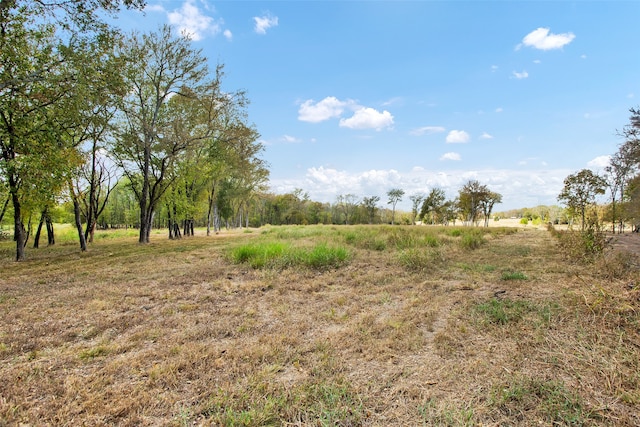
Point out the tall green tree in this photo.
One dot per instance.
(580, 191)
(33, 155)
(432, 204)
(370, 205)
(487, 204)
(36, 76)
(470, 198)
(416, 200)
(395, 196)
(165, 75)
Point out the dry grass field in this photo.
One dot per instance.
(320, 326)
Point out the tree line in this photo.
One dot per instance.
(88, 113)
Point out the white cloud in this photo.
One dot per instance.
(290, 139)
(542, 39)
(537, 61)
(522, 75)
(494, 68)
(192, 22)
(583, 56)
(263, 23)
(450, 156)
(599, 162)
(330, 107)
(228, 35)
(457, 137)
(485, 135)
(154, 8)
(427, 130)
(368, 118)
(499, 110)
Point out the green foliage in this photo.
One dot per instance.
(524, 220)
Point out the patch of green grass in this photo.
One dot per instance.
(365, 239)
(434, 413)
(514, 275)
(281, 255)
(322, 256)
(333, 405)
(503, 311)
(472, 239)
(551, 399)
(420, 259)
(94, 352)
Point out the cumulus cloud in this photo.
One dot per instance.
(599, 162)
(192, 22)
(450, 156)
(331, 107)
(485, 135)
(368, 118)
(328, 108)
(227, 34)
(543, 39)
(263, 23)
(522, 75)
(457, 137)
(427, 130)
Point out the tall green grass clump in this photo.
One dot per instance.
(259, 255)
(281, 255)
(472, 239)
(420, 259)
(322, 256)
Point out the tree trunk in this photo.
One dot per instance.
(4, 207)
(51, 239)
(19, 233)
(78, 218)
(36, 238)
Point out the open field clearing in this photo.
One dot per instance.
(320, 326)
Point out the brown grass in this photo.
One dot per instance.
(174, 333)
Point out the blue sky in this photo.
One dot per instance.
(358, 97)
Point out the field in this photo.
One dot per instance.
(320, 326)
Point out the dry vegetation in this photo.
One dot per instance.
(414, 326)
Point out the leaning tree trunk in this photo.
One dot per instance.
(78, 219)
(51, 239)
(36, 238)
